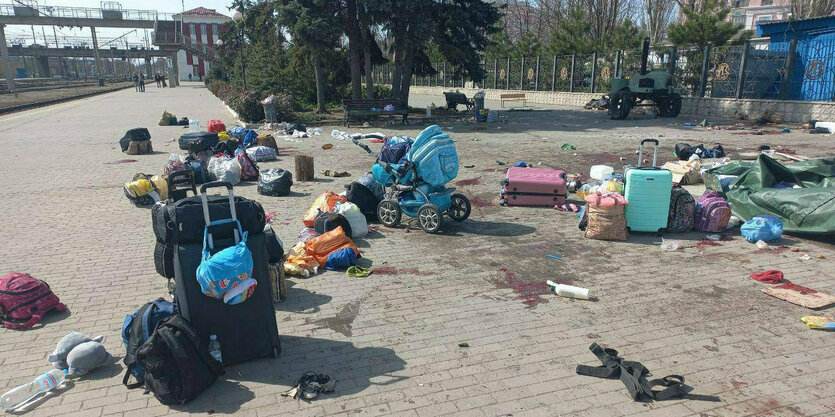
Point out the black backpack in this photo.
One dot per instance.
(364, 198)
(177, 364)
(136, 330)
(325, 222)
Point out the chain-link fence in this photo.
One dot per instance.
(758, 69)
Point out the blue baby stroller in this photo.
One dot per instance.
(416, 183)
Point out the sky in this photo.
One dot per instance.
(23, 34)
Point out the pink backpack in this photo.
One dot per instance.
(249, 170)
(712, 213)
(24, 300)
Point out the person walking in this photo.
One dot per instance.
(135, 78)
(156, 79)
(162, 79)
(142, 82)
(189, 76)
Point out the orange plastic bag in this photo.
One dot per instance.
(323, 245)
(324, 203)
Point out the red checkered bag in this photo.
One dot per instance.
(24, 301)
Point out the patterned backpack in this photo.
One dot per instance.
(24, 300)
(712, 213)
(682, 211)
(249, 170)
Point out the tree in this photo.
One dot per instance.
(805, 9)
(709, 26)
(699, 29)
(572, 35)
(657, 16)
(500, 46)
(528, 45)
(314, 27)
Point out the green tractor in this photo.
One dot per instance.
(655, 85)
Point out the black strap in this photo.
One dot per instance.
(134, 341)
(674, 387)
(611, 363)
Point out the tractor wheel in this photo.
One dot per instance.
(620, 104)
(669, 106)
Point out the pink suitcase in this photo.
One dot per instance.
(534, 187)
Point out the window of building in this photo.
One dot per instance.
(192, 32)
(767, 3)
(738, 17)
(741, 3)
(766, 18)
(214, 33)
(203, 32)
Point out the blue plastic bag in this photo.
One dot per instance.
(237, 132)
(762, 227)
(249, 137)
(342, 258)
(227, 275)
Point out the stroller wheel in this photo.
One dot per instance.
(389, 213)
(429, 218)
(460, 208)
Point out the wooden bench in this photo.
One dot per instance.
(453, 99)
(367, 109)
(513, 97)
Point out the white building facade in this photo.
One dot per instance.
(201, 29)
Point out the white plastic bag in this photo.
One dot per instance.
(359, 226)
(225, 168)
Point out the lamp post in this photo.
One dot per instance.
(238, 17)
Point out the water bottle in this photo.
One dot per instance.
(214, 348)
(194, 125)
(569, 291)
(24, 393)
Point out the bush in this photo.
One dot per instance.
(380, 91)
(248, 103)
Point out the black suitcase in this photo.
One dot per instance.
(245, 331)
(183, 222)
(364, 198)
(134, 135)
(325, 222)
(198, 141)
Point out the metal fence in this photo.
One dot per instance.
(759, 69)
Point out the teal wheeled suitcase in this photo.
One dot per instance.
(647, 190)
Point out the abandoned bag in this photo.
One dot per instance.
(762, 227)
(167, 119)
(261, 153)
(226, 169)
(177, 363)
(24, 300)
(605, 217)
(325, 202)
(136, 329)
(145, 190)
(321, 246)
(266, 140)
(364, 198)
(139, 148)
(249, 170)
(138, 134)
(684, 172)
(682, 211)
(227, 274)
(275, 182)
(327, 221)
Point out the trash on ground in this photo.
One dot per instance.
(500, 162)
(804, 257)
(569, 291)
(819, 322)
(568, 147)
(327, 146)
(670, 245)
(357, 271)
(713, 238)
(800, 295)
(310, 385)
(335, 173)
(559, 258)
(469, 166)
(772, 276)
(24, 394)
(761, 244)
(463, 344)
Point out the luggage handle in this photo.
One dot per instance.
(654, 154)
(205, 200)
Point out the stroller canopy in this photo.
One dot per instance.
(434, 156)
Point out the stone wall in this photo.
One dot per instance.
(693, 107)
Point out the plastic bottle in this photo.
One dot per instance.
(569, 291)
(194, 125)
(214, 348)
(25, 393)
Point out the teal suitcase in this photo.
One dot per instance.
(647, 190)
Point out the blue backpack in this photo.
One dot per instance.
(136, 329)
(762, 227)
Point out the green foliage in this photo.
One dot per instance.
(244, 102)
(573, 36)
(500, 46)
(528, 45)
(710, 26)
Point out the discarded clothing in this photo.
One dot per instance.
(769, 277)
(357, 271)
(310, 385)
(819, 322)
(633, 375)
(343, 258)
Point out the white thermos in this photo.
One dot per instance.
(569, 291)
